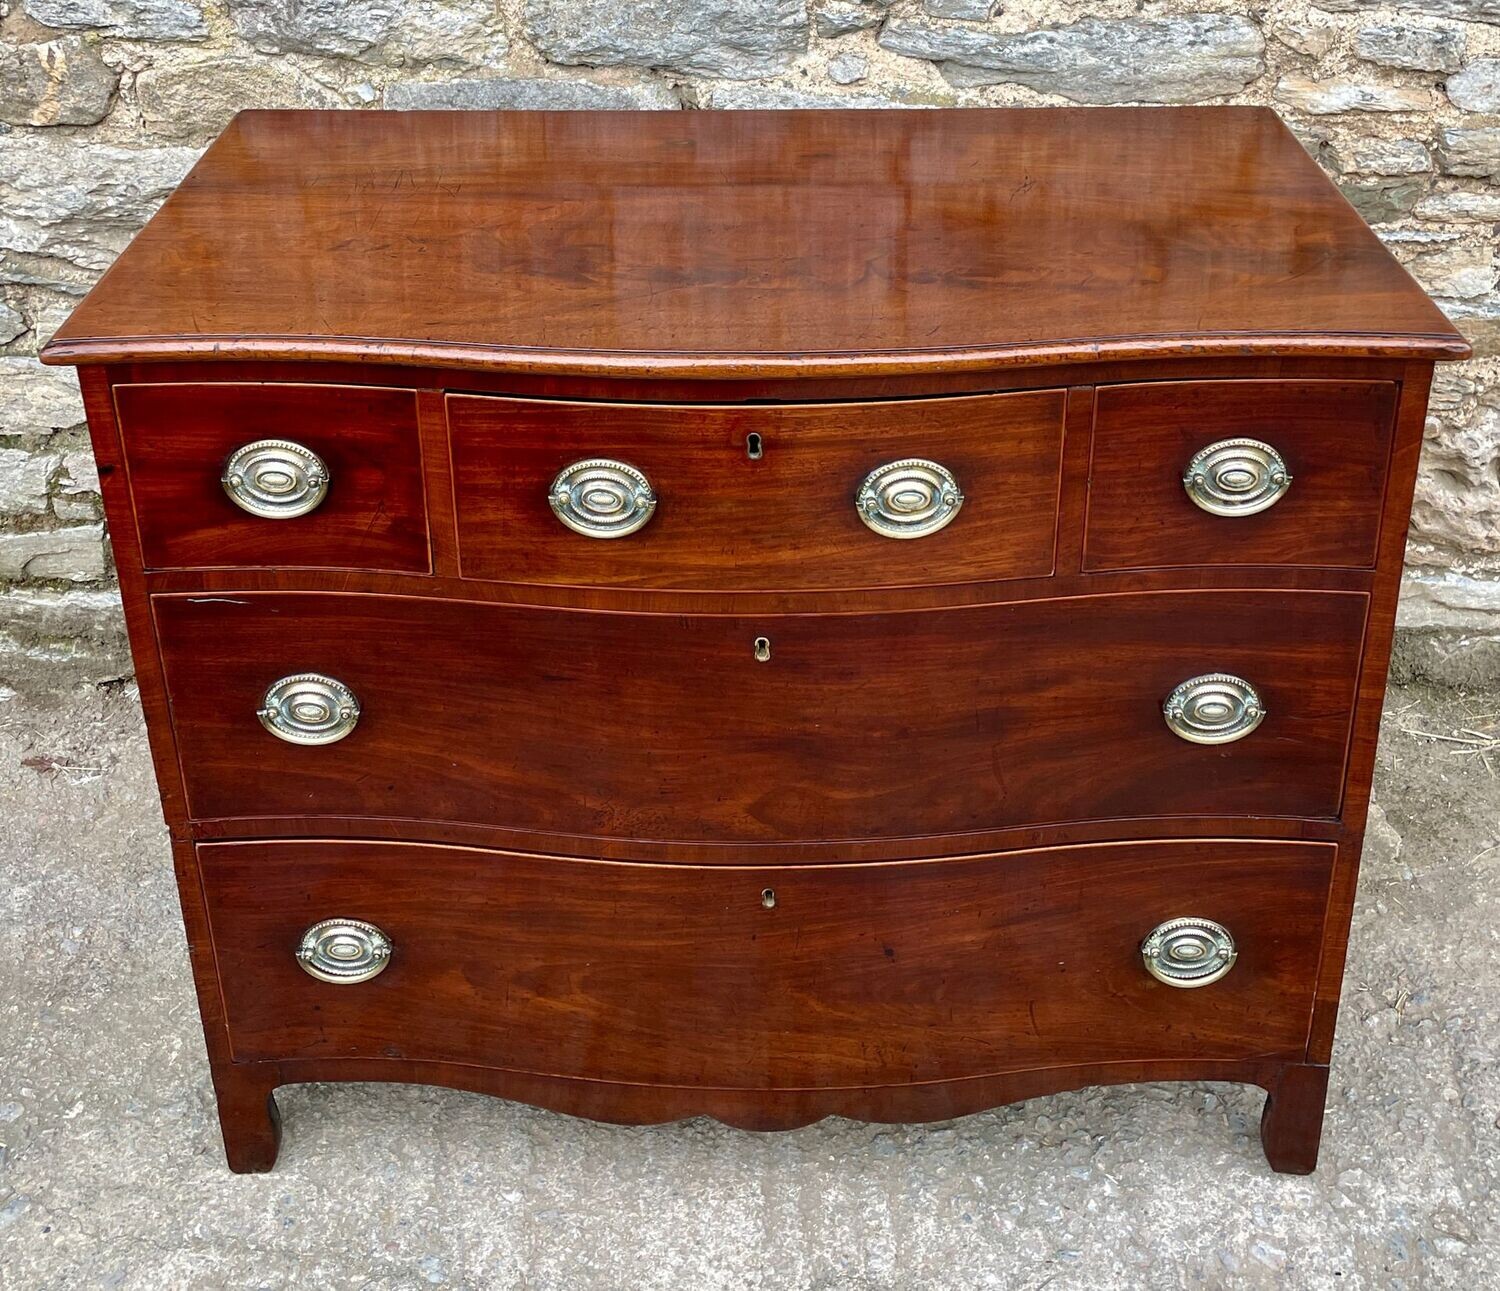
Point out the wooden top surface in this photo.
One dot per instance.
(754, 243)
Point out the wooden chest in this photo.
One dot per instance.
(763, 615)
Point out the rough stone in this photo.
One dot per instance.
(192, 101)
(54, 640)
(1304, 34)
(55, 82)
(81, 201)
(1427, 49)
(1376, 156)
(1341, 94)
(528, 92)
(1461, 207)
(23, 480)
(734, 98)
(1458, 492)
(1446, 264)
(1479, 320)
(1383, 201)
(968, 10)
(735, 39)
(137, 19)
(74, 554)
(35, 400)
(340, 27)
(1477, 87)
(848, 69)
(1463, 10)
(446, 33)
(841, 17)
(1471, 151)
(1183, 59)
(12, 323)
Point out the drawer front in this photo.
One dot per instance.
(181, 441)
(1333, 437)
(853, 726)
(766, 977)
(786, 519)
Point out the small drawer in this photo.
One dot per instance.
(762, 977)
(766, 498)
(1238, 473)
(291, 476)
(763, 728)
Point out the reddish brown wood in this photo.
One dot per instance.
(784, 522)
(1291, 1126)
(177, 438)
(1334, 435)
(864, 261)
(666, 727)
(755, 243)
(854, 975)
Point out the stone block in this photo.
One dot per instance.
(55, 82)
(734, 39)
(1473, 151)
(1183, 59)
(1426, 49)
(24, 478)
(1342, 94)
(337, 27)
(73, 554)
(528, 93)
(192, 100)
(1477, 87)
(35, 400)
(136, 19)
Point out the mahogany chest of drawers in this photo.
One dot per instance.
(763, 615)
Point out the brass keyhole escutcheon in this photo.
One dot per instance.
(762, 649)
(768, 898)
(755, 447)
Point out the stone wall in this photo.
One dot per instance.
(104, 104)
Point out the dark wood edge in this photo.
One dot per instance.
(712, 366)
(765, 1109)
(1406, 449)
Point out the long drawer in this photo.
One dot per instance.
(765, 977)
(756, 728)
(759, 497)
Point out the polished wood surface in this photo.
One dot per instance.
(723, 244)
(176, 440)
(955, 750)
(767, 977)
(783, 521)
(1335, 437)
(858, 726)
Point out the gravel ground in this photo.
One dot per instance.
(111, 1173)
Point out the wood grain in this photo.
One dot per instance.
(857, 975)
(735, 244)
(177, 438)
(859, 726)
(786, 521)
(1335, 437)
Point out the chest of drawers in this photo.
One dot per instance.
(762, 615)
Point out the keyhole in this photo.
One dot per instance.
(768, 898)
(762, 649)
(754, 447)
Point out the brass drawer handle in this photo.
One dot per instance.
(1216, 708)
(309, 708)
(1236, 477)
(602, 498)
(275, 479)
(1188, 952)
(344, 951)
(908, 499)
